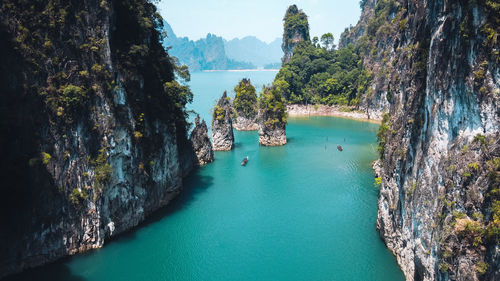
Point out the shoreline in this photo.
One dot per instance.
(299, 110)
(239, 70)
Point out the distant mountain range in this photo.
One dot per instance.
(253, 50)
(216, 53)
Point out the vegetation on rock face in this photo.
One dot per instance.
(102, 169)
(295, 31)
(272, 106)
(219, 113)
(222, 108)
(245, 102)
(320, 74)
(77, 197)
(493, 227)
(59, 26)
(222, 124)
(295, 24)
(73, 74)
(382, 133)
(393, 40)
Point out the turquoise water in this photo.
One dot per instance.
(209, 86)
(304, 211)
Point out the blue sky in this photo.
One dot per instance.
(260, 18)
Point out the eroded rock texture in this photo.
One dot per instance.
(93, 128)
(272, 123)
(201, 142)
(296, 30)
(436, 63)
(222, 124)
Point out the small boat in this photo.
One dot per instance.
(339, 148)
(244, 161)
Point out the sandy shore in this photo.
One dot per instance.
(296, 110)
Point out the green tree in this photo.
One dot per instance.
(315, 41)
(245, 102)
(327, 41)
(295, 22)
(273, 108)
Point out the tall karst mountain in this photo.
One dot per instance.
(436, 62)
(296, 29)
(93, 121)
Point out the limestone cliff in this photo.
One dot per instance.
(92, 121)
(436, 62)
(245, 107)
(296, 30)
(201, 143)
(222, 124)
(272, 122)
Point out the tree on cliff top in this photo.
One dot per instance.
(320, 76)
(272, 106)
(328, 41)
(245, 102)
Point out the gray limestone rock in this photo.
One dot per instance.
(200, 141)
(222, 125)
(242, 123)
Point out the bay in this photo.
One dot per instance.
(304, 211)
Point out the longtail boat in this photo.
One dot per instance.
(244, 161)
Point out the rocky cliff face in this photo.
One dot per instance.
(201, 143)
(222, 125)
(437, 64)
(242, 123)
(272, 122)
(296, 30)
(272, 137)
(93, 125)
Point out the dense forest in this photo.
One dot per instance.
(318, 73)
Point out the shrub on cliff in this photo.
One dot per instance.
(272, 106)
(295, 23)
(222, 109)
(245, 102)
(383, 130)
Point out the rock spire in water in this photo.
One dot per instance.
(200, 141)
(222, 124)
(245, 106)
(272, 124)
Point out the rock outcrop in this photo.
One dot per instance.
(242, 123)
(272, 137)
(92, 122)
(222, 125)
(296, 30)
(436, 61)
(245, 107)
(201, 142)
(272, 124)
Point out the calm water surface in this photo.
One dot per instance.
(304, 211)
